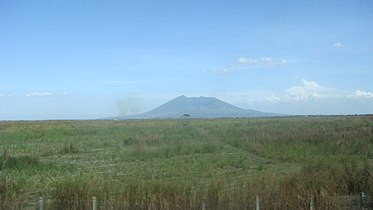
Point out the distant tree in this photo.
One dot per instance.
(185, 118)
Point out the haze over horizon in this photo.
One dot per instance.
(64, 59)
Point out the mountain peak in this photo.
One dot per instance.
(198, 107)
(181, 97)
(192, 97)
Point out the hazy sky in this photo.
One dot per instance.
(97, 58)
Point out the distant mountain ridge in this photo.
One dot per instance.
(197, 107)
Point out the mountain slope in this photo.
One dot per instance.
(197, 107)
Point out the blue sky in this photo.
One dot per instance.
(72, 59)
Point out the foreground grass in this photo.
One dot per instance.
(162, 164)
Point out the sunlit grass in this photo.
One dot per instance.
(164, 164)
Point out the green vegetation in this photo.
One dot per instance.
(166, 164)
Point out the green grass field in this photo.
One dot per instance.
(171, 164)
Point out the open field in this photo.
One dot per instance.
(174, 164)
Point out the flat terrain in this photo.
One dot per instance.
(186, 164)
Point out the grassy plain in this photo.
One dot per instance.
(174, 164)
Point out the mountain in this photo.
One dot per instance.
(197, 107)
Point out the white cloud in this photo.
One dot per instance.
(283, 62)
(363, 94)
(306, 97)
(46, 94)
(308, 90)
(226, 70)
(247, 61)
(313, 91)
(39, 94)
(5, 95)
(242, 63)
(273, 99)
(338, 45)
(266, 61)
